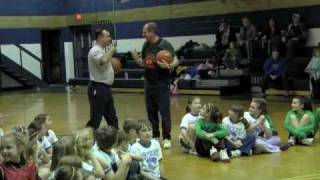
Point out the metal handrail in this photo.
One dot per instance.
(29, 53)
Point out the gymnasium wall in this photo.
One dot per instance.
(21, 21)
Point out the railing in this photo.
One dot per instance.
(24, 58)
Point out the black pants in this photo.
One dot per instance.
(157, 99)
(279, 80)
(203, 146)
(101, 104)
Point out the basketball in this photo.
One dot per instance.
(164, 55)
(116, 64)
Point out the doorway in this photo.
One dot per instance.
(53, 56)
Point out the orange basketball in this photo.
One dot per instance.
(164, 55)
(116, 64)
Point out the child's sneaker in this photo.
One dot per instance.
(235, 153)
(307, 141)
(193, 152)
(292, 140)
(166, 144)
(214, 154)
(224, 156)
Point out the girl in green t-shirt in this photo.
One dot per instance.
(299, 122)
(210, 134)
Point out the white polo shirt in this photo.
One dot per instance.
(99, 72)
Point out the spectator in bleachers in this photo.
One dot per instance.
(271, 34)
(313, 69)
(224, 35)
(274, 70)
(232, 57)
(248, 34)
(295, 35)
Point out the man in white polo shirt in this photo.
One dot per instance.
(101, 78)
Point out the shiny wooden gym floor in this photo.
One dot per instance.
(70, 111)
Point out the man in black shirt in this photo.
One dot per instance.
(157, 76)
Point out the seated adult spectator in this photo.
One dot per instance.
(274, 70)
(232, 57)
(295, 36)
(248, 34)
(224, 35)
(271, 34)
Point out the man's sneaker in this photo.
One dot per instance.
(307, 141)
(292, 140)
(235, 153)
(214, 154)
(224, 156)
(284, 147)
(166, 144)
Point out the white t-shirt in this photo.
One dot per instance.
(51, 137)
(251, 120)
(188, 119)
(236, 130)
(151, 156)
(44, 143)
(99, 73)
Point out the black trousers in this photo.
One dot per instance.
(157, 98)
(279, 80)
(203, 146)
(101, 104)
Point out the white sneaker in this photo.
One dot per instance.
(224, 156)
(235, 153)
(166, 144)
(292, 140)
(307, 141)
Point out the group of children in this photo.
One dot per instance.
(204, 132)
(34, 152)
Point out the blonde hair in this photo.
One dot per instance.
(80, 139)
(21, 142)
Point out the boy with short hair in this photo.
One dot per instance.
(149, 149)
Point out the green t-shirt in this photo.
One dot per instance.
(203, 126)
(316, 120)
(299, 132)
(153, 72)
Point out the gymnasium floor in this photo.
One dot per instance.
(70, 111)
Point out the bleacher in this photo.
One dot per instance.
(132, 77)
(297, 78)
